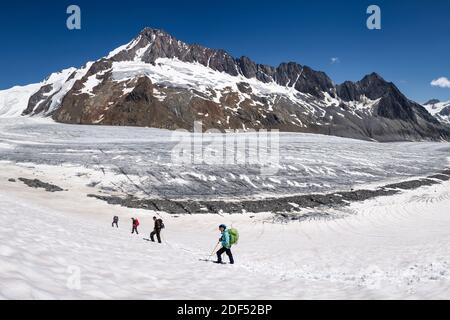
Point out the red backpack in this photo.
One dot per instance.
(136, 222)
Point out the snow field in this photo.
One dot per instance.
(391, 247)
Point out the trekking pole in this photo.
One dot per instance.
(209, 257)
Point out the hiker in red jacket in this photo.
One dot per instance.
(135, 225)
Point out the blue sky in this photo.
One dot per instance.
(412, 49)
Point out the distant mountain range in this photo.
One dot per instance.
(158, 81)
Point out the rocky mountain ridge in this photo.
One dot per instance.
(159, 81)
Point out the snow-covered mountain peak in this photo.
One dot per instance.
(150, 44)
(152, 33)
(432, 101)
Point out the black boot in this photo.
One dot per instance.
(230, 256)
(219, 257)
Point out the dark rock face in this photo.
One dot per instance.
(392, 105)
(445, 111)
(37, 102)
(374, 86)
(35, 183)
(348, 91)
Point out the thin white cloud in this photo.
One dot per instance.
(335, 60)
(441, 82)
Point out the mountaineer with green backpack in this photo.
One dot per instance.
(228, 238)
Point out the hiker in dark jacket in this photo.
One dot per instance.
(226, 245)
(135, 224)
(115, 221)
(159, 225)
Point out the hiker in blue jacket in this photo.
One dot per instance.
(226, 245)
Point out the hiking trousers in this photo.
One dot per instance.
(228, 252)
(156, 232)
(134, 229)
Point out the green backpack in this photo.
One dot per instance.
(234, 236)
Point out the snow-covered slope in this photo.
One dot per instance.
(39, 98)
(14, 101)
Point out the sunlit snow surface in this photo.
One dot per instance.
(141, 159)
(61, 245)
